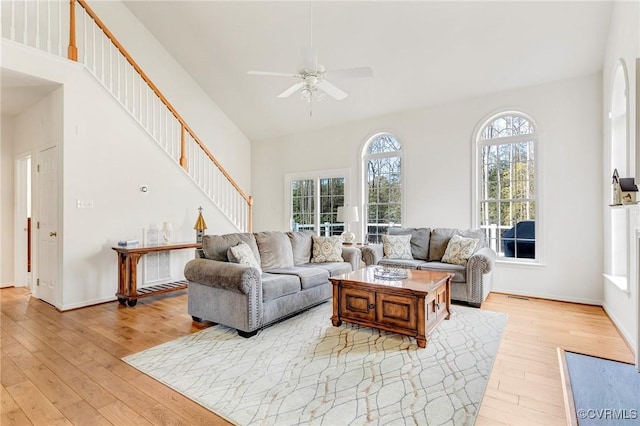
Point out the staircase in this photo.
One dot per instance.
(76, 32)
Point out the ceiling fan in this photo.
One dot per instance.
(313, 83)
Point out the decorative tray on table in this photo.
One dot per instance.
(386, 273)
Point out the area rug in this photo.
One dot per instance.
(306, 371)
(600, 391)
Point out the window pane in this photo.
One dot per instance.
(507, 186)
(303, 204)
(384, 185)
(332, 197)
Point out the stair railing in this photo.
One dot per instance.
(41, 24)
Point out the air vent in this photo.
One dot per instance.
(518, 297)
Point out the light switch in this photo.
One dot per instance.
(85, 204)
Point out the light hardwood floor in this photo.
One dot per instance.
(65, 368)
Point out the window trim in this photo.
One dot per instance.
(620, 282)
(476, 181)
(364, 157)
(316, 176)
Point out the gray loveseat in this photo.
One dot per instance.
(249, 298)
(471, 282)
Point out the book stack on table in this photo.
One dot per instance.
(128, 243)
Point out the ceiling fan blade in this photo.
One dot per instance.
(291, 90)
(331, 90)
(273, 74)
(351, 72)
(310, 58)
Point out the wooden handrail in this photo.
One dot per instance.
(164, 100)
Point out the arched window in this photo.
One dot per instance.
(616, 264)
(506, 192)
(383, 185)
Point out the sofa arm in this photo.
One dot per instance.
(372, 253)
(353, 255)
(479, 276)
(224, 275)
(482, 261)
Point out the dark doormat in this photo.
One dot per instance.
(599, 391)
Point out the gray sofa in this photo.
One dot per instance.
(471, 282)
(249, 298)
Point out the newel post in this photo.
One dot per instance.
(183, 149)
(72, 52)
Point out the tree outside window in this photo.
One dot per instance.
(507, 193)
(383, 185)
(314, 204)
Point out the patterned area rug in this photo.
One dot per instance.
(306, 371)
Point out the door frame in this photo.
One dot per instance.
(23, 190)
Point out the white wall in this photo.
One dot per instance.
(7, 159)
(623, 43)
(437, 165)
(105, 157)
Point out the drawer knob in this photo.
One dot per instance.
(372, 306)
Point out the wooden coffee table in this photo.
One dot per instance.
(413, 306)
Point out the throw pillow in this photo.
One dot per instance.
(242, 254)
(327, 249)
(459, 250)
(397, 246)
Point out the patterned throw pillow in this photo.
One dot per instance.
(327, 249)
(397, 246)
(242, 254)
(459, 250)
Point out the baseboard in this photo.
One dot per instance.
(86, 303)
(628, 339)
(6, 285)
(556, 297)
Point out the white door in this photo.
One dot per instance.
(47, 226)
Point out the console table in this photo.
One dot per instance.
(128, 258)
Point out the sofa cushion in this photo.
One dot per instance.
(397, 246)
(334, 268)
(419, 240)
(440, 239)
(215, 247)
(459, 250)
(275, 250)
(301, 246)
(327, 249)
(278, 285)
(459, 272)
(401, 263)
(309, 277)
(241, 253)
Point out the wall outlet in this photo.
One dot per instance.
(85, 204)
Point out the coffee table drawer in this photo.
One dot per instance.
(398, 311)
(356, 303)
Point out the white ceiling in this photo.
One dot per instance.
(20, 91)
(422, 52)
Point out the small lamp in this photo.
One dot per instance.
(346, 215)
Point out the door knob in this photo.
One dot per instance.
(53, 234)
